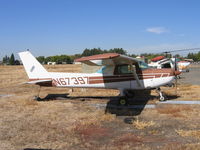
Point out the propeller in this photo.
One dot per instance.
(176, 76)
(176, 73)
(176, 70)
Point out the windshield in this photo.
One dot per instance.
(143, 65)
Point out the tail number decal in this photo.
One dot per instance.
(70, 81)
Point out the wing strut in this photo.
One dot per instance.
(137, 79)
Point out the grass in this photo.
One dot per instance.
(178, 146)
(190, 133)
(128, 138)
(174, 110)
(142, 124)
(69, 124)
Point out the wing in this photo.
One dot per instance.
(107, 59)
(110, 59)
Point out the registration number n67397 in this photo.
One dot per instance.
(70, 81)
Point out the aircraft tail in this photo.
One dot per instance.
(32, 67)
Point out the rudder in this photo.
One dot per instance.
(32, 67)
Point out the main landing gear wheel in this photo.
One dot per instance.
(123, 101)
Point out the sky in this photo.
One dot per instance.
(54, 27)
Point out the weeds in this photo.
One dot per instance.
(142, 124)
(174, 110)
(191, 133)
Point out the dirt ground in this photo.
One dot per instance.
(85, 119)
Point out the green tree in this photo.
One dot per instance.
(12, 59)
(177, 56)
(6, 60)
(195, 57)
(59, 59)
(150, 55)
(86, 52)
(41, 59)
(132, 55)
(118, 50)
(95, 51)
(17, 62)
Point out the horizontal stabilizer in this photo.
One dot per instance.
(41, 82)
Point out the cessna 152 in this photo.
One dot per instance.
(117, 72)
(162, 62)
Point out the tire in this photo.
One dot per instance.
(162, 98)
(123, 101)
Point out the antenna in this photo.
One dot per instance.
(178, 50)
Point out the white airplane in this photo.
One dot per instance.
(120, 72)
(183, 66)
(162, 62)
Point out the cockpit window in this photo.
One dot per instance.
(167, 65)
(124, 69)
(143, 65)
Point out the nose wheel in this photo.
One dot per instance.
(162, 96)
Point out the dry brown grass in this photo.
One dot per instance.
(179, 146)
(88, 132)
(142, 124)
(174, 110)
(128, 139)
(191, 133)
(184, 92)
(59, 124)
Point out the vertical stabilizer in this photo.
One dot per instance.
(33, 68)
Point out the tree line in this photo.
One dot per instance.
(69, 59)
(194, 56)
(10, 60)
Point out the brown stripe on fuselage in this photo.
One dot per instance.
(145, 74)
(110, 77)
(110, 80)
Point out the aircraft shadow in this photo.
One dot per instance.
(66, 96)
(172, 97)
(134, 107)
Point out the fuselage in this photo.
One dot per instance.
(148, 79)
(116, 72)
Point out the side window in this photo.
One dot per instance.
(166, 65)
(124, 69)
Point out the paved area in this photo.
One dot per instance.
(192, 77)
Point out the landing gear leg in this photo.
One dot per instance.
(38, 95)
(162, 96)
(124, 97)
